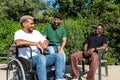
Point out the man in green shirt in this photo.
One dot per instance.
(56, 35)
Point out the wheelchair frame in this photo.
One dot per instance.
(16, 69)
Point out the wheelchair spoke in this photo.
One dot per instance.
(14, 71)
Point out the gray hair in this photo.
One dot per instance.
(25, 18)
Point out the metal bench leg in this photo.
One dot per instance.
(99, 67)
(106, 69)
(83, 66)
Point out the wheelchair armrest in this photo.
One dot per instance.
(105, 53)
(50, 44)
(105, 50)
(22, 46)
(54, 46)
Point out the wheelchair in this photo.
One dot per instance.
(19, 68)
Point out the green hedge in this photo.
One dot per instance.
(7, 29)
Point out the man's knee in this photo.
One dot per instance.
(72, 57)
(94, 56)
(50, 50)
(59, 56)
(41, 59)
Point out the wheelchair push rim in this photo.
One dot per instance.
(15, 70)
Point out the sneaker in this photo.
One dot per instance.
(58, 79)
(77, 79)
(80, 78)
(53, 68)
(51, 78)
(74, 79)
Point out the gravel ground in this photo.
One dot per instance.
(113, 73)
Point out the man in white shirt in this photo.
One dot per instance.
(33, 38)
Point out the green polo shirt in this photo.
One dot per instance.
(55, 35)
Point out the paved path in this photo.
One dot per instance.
(113, 73)
(2, 71)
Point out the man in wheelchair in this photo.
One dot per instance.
(34, 39)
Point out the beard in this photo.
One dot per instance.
(30, 30)
(56, 24)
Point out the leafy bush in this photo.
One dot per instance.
(77, 32)
(7, 29)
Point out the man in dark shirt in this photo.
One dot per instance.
(90, 49)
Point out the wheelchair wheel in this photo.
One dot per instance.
(15, 70)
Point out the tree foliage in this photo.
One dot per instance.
(70, 7)
(14, 9)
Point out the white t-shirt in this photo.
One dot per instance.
(34, 36)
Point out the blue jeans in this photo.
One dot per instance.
(52, 50)
(40, 62)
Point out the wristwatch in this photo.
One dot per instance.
(95, 48)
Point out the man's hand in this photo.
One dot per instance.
(86, 53)
(44, 44)
(60, 50)
(39, 47)
(89, 52)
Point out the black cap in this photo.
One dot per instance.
(58, 15)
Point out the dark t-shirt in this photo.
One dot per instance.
(96, 41)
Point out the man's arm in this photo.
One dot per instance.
(19, 42)
(102, 47)
(85, 52)
(25, 42)
(62, 45)
(97, 48)
(85, 48)
(44, 44)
